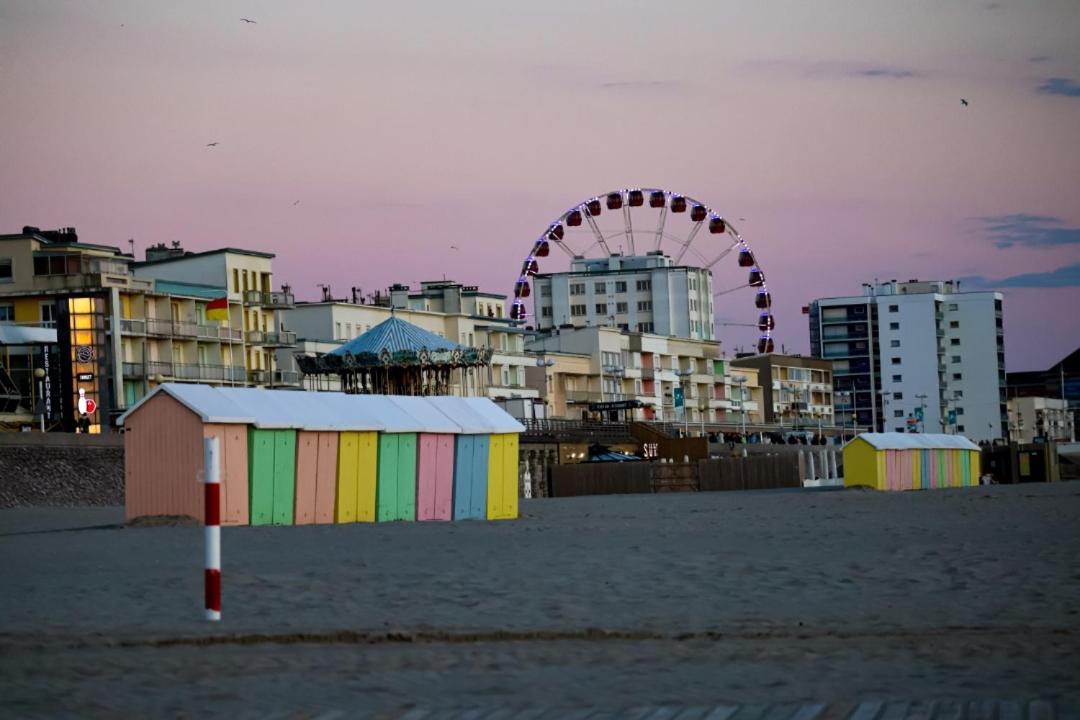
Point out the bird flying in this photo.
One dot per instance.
(296, 203)
(213, 144)
(454, 247)
(963, 102)
(248, 21)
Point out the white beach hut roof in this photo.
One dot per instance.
(472, 421)
(500, 420)
(917, 441)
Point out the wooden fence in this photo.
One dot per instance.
(755, 472)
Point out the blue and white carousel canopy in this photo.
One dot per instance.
(395, 336)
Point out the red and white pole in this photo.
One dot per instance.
(212, 492)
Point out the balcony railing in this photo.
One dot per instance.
(158, 367)
(132, 327)
(285, 338)
(286, 377)
(185, 329)
(155, 326)
(257, 377)
(133, 370)
(591, 396)
(269, 299)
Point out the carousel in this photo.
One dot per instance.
(399, 358)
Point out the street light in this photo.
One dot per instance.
(682, 374)
(614, 370)
(741, 380)
(39, 373)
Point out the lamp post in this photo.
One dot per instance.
(740, 380)
(39, 373)
(614, 370)
(922, 404)
(682, 374)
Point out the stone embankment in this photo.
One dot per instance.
(61, 469)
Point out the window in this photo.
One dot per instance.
(898, 396)
(953, 306)
(643, 285)
(545, 311)
(894, 343)
(644, 306)
(957, 376)
(895, 361)
(577, 288)
(959, 428)
(959, 411)
(955, 358)
(621, 307)
(6, 273)
(898, 378)
(235, 280)
(894, 326)
(601, 308)
(545, 290)
(600, 288)
(57, 264)
(48, 314)
(958, 393)
(954, 341)
(620, 286)
(894, 308)
(577, 309)
(898, 413)
(7, 313)
(645, 327)
(954, 324)
(337, 334)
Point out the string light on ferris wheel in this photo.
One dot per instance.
(665, 201)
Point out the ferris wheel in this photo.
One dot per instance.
(643, 221)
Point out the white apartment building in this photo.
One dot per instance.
(636, 293)
(1040, 417)
(907, 345)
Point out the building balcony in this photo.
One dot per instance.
(285, 338)
(591, 396)
(648, 373)
(133, 370)
(286, 377)
(156, 326)
(132, 326)
(272, 300)
(159, 367)
(257, 377)
(181, 328)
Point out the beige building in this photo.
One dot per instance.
(124, 326)
(640, 371)
(797, 391)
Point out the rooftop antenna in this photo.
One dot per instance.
(131, 242)
(325, 292)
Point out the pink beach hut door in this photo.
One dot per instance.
(435, 477)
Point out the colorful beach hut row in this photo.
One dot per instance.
(292, 457)
(911, 461)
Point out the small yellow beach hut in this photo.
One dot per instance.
(910, 461)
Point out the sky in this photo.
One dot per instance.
(373, 143)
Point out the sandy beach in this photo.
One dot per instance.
(751, 598)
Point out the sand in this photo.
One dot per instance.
(688, 599)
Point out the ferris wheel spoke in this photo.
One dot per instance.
(730, 290)
(721, 256)
(689, 240)
(629, 227)
(566, 248)
(660, 227)
(599, 235)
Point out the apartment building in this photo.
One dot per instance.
(640, 373)
(120, 330)
(647, 294)
(797, 390)
(450, 310)
(1033, 419)
(905, 349)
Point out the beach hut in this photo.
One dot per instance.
(502, 494)
(472, 451)
(911, 461)
(434, 457)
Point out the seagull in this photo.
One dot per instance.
(248, 21)
(296, 203)
(213, 144)
(454, 247)
(963, 102)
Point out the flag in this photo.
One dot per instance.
(218, 309)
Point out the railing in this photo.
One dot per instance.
(209, 332)
(258, 377)
(158, 367)
(185, 329)
(154, 326)
(577, 430)
(588, 396)
(285, 338)
(184, 371)
(269, 299)
(133, 370)
(134, 327)
(286, 377)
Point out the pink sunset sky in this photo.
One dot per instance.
(834, 127)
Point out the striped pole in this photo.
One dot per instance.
(212, 494)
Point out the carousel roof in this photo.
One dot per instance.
(395, 336)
